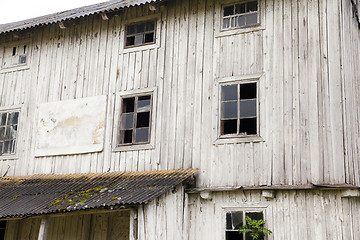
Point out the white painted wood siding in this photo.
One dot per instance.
(305, 79)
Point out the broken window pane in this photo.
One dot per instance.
(149, 37)
(248, 91)
(248, 126)
(130, 41)
(229, 127)
(247, 108)
(143, 120)
(128, 105)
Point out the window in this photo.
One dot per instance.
(8, 131)
(135, 120)
(238, 109)
(15, 55)
(240, 15)
(2, 229)
(236, 219)
(140, 34)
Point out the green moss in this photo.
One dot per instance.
(114, 198)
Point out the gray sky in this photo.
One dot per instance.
(17, 10)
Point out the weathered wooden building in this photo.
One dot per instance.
(99, 104)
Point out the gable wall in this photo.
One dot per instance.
(300, 105)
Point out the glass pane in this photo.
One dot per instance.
(3, 118)
(130, 30)
(229, 92)
(142, 135)
(234, 235)
(237, 219)
(144, 104)
(248, 108)
(128, 105)
(10, 132)
(251, 19)
(143, 119)
(228, 10)
(150, 26)
(130, 41)
(140, 28)
(239, 8)
(139, 39)
(1, 147)
(240, 21)
(226, 23)
(7, 147)
(248, 126)
(125, 136)
(248, 91)
(255, 215)
(127, 121)
(252, 6)
(228, 221)
(13, 118)
(149, 37)
(229, 110)
(2, 132)
(232, 22)
(229, 127)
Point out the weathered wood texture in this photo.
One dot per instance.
(107, 226)
(306, 76)
(291, 215)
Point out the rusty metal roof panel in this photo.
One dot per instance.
(108, 6)
(45, 194)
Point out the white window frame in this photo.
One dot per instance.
(220, 32)
(118, 111)
(17, 67)
(19, 127)
(149, 46)
(224, 139)
(245, 207)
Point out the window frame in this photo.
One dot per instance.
(234, 138)
(17, 67)
(137, 23)
(221, 32)
(117, 146)
(243, 14)
(147, 46)
(8, 156)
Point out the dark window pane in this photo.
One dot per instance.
(13, 118)
(143, 119)
(127, 121)
(228, 10)
(3, 118)
(22, 59)
(128, 105)
(248, 91)
(130, 29)
(233, 235)
(130, 41)
(255, 215)
(139, 39)
(149, 37)
(142, 135)
(126, 136)
(252, 6)
(228, 221)
(239, 8)
(140, 28)
(251, 19)
(144, 104)
(150, 26)
(2, 224)
(7, 146)
(2, 132)
(1, 147)
(248, 108)
(229, 110)
(229, 92)
(248, 126)
(237, 219)
(228, 127)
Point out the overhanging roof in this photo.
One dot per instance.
(45, 194)
(108, 6)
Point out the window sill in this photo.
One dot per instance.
(6, 157)
(244, 139)
(133, 147)
(14, 68)
(235, 31)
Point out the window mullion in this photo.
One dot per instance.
(135, 119)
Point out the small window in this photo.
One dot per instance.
(140, 34)
(236, 219)
(14, 56)
(240, 15)
(135, 120)
(2, 229)
(8, 131)
(238, 110)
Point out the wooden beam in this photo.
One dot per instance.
(44, 227)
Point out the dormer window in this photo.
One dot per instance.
(239, 15)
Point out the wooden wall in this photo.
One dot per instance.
(105, 226)
(301, 92)
(294, 215)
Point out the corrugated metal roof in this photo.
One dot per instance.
(72, 14)
(44, 194)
